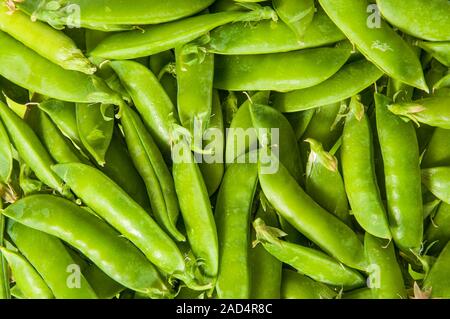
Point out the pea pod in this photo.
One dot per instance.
(4, 272)
(430, 18)
(432, 111)
(104, 286)
(150, 163)
(30, 283)
(361, 293)
(300, 210)
(233, 212)
(269, 37)
(359, 172)
(437, 279)
(56, 268)
(57, 47)
(300, 121)
(6, 156)
(26, 68)
(298, 286)
(444, 82)
(437, 180)
(162, 65)
(376, 40)
(349, 81)
(439, 50)
(400, 154)
(298, 15)
(438, 231)
(307, 261)
(112, 253)
(291, 70)
(386, 279)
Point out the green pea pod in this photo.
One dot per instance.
(376, 40)
(197, 214)
(233, 212)
(57, 268)
(400, 152)
(240, 139)
(437, 180)
(27, 278)
(195, 75)
(439, 50)
(104, 286)
(324, 182)
(214, 136)
(349, 81)
(298, 286)
(270, 37)
(150, 163)
(307, 261)
(298, 15)
(30, 148)
(437, 279)
(4, 272)
(438, 231)
(385, 275)
(110, 202)
(266, 270)
(362, 293)
(360, 178)
(152, 102)
(6, 156)
(269, 123)
(13, 91)
(162, 64)
(57, 47)
(430, 18)
(26, 68)
(444, 82)
(95, 125)
(438, 150)
(432, 111)
(93, 237)
(300, 121)
(88, 14)
(300, 210)
(291, 70)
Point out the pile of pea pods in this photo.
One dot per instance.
(111, 111)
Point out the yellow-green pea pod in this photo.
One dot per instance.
(385, 275)
(439, 50)
(430, 17)
(6, 155)
(28, 280)
(298, 286)
(377, 41)
(437, 180)
(308, 261)
(57, 47)
(438, 280)
(438, 231)
(104, 286)
(444, 82)
(433, 111)
(349, 81)
(361, 293)
(51, 260)
(297, 14)
(26, 68)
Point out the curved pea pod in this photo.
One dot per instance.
(376, 40)
(324, 182)
(57, 47)
(360, 178)
(385, 275)
(302, 212)
(266, 270)
(307, 261)
(6, 156)
(272, 37)
(162, 65)
(197, 214)
(104, 286)
(26, 68)
(290, 70)
(110, 202)
(150, 163)
(116, 12)
(430, 17)
(438, 231)
(93, 237)
(437, 279)
(433, 111)
(400, 152)
(95, 125)
(361, 293)
(298, 286)
(437, 180)
(300, 121)
(150, 99)
(30, 148)
(213, 169)
(275, 131)
(5, 292)
(233, 212)
(298, 15)
(439, 50)
(28, 280)
(58, 269)
(349, 81)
